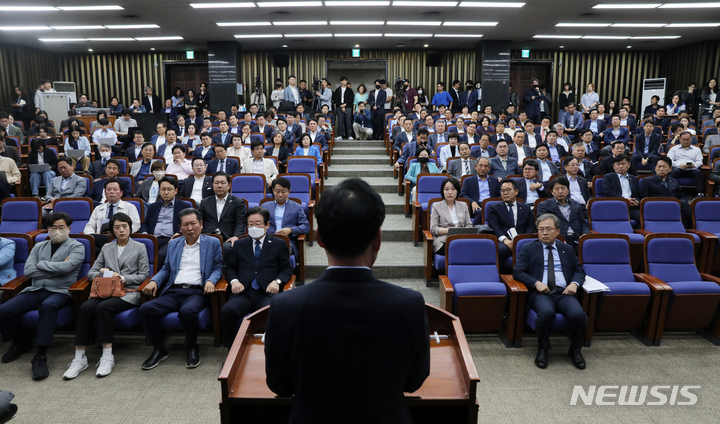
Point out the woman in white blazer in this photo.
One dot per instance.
(124, 258)
(448, 214)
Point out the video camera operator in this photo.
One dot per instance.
(343, 99)
(257, 97)
(410, 96)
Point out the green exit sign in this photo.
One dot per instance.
(356, 52)
(191, 55)
(526, 53)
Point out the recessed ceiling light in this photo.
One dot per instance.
(258, 36)
(289, 3)
(415, 23)
(284, 45)
(558, 36)
(578, 25)
(364, 34)
(629, 47)
(111, 39)
(76, 27)
(298, 23)
(357, 46)
(693, 25)
(138, 26)
(152, 48)
(307, 35)
(626, 6)
(90, 50)
(357, 3)
(470, 24)
(232, 24)
(426, 45)
(639, 25)
(409, 35)
(425, 3)
(684, 5)
(28, 9)
(655, 37)
(357, 22)
(221, 5)
(60, 40)
(607, 37)
(459, 35)
(490, 4)
(24, 28)
(176, 37)
(562, 47)
(76, 8)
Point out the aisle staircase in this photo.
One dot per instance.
(398, 258)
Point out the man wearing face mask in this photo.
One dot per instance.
(97, 168)
(411, 97)
(377, 99)
(52, 266)
(533, 97)
(257, 267)
(278, 94)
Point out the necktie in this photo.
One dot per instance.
(103, 162)
(512, 215)
(467, 167)
(441, 138)
(589, 147)
(665, 184)
(258, 249)
(551, 270)
(111, 210)
(504, 163)
(222, 165)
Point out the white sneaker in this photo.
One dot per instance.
(76, 367)
(338, 138)
(350, 138)
(105, 366)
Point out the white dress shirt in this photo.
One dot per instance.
(189, 271)
(220, 204)
(625, 185)
(196, 194)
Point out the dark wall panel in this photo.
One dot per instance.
(24, 66)
(693, 63)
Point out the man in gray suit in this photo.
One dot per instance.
(712, 141)
(67, 184)
(53, 266)
(464, 166)
(503, 165)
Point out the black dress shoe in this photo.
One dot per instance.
(193, 357)
(16, 350)
(39, 367)
(155, 358)
(541, 360)
(12, 410)
(577, 358)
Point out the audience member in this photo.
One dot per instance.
(78, 142)
(464, 166)
(223, 214)
(197, 186)
(449, 213)
(112, 169)
(647, 147)
(149, 189)
(503, 165)
(180, 166)
(623, 184)
(39, 155)
(570, 213)
(548, 168)
(508, 219)
(579, 186)
(532, 188)
(67, 184)
(686, 162)
(478, 189)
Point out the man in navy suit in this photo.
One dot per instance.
(616, 132)
(471, 137)
(597, 126)
(411, 149)
(112, 169)
(163, 217)
(262, 126)
(484, 149)
(573, 121)
(569, 212)
(661, 185)
(531, 187)
(503, 165)
(348, 304)
(623, 184)
(607, 164)
(257, 268)
(134, 152)
(282, 128)
(286, 217)
(500, 135)
(555, 151)
(405, 136)
(586, 168)
(315, 135)
(292, 126)
(480, 187)
(193, 266)
(204, 187)
(508, 219)
(647, 147)
(222, 163)
(552, 274)
(224, 136)
(532, 97)
(377, 98)
(470, 96)
(626, 119)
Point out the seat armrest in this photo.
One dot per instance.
(513, 285)
(81, 285)
(221, 285)
(653, 282)
(708, 277)
(703, 234)
(143, 296)
(643, 232)
(289, 285)
(427, 236)
(16, 285)
(447, 291)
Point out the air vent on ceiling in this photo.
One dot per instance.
(280, 13)
(588, 15)
(130, 16)
(432, 13)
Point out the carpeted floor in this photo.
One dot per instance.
(511, 390)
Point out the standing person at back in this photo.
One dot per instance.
(361, 342)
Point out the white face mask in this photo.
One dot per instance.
(420, 91)
(158, 174)
(58, 236)
(105, 155)
(256, 232)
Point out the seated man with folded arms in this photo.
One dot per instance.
(191, 270)
(163, 216)
(257, 267)
(552, 274)
(287, 217)
(686, 162)
(569, 212)
(141, 168)
(508, 219)
(67, 184)
(662, 185)
(53, 266)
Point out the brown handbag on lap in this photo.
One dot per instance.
(105, 287)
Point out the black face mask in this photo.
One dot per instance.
(278, 85)
(469, 87)
(535, 86)
(406, 86)
(423, 159)
(377, 86)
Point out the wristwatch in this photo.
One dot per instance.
(278, 281)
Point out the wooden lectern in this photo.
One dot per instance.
(447, 396)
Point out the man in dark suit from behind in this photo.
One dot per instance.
(552, 274)
(327, 362)
(661, 185)
(569, 212)
(257, 266)
(223, 213)
(508, 219)
(163, 216)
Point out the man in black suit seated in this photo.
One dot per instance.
(647, 147)
(223, 213)
(112, 169)
(508, 219)
(607, 164)
(586, 168)
(480, 187)
(531, 188)
(552, 274)
(197, 186)
(569, 212)
(257, 267)
(97, 168)
(661, 185)
(623, 184)
(134, 152)
(163, 216)
(374, 344)
(222, 163)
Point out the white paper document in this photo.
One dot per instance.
(592, 285)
